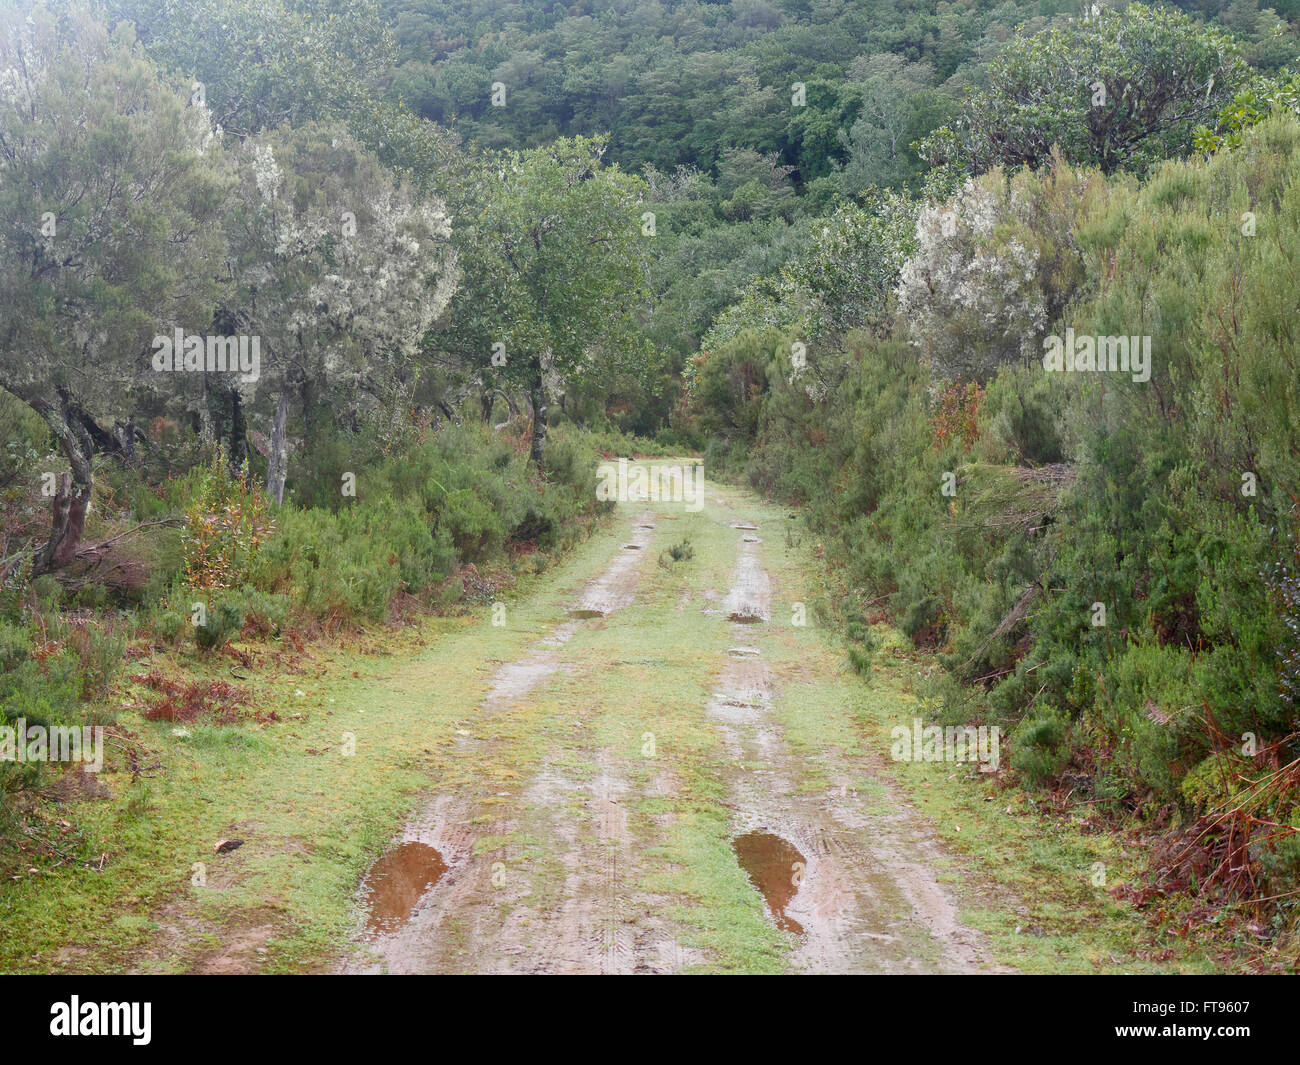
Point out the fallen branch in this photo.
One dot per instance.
(121, 536)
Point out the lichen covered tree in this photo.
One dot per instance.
(336, 266)
(110, 197)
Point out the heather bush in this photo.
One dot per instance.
(1104, 561)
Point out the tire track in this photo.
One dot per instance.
(864, 905)
(480, 916)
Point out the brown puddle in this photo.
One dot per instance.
(397, 881)
(772, 865)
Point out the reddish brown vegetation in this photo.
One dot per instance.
(958, 415)
(215, 701)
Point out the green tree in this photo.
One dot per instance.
(851, 266)
(259, 64)
(551, 248)
(1119, 90)
(899, 107)
(111, 192)
(1248, 108)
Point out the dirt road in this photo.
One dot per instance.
(701, 798)
(629, 764)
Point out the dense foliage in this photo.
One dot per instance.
(1103, 563)
(825, 242)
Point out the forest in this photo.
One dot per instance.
(319, 319)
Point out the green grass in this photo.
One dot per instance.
(312, 822)
(313, 819)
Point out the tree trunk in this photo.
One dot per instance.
(486, 401)
(209, 430)
(228, 428)
(278, 463)
(69, 506)
(309, 393)
(537, 396)
(510, 403)
(447, 410)
(125, 432)
(238, 450)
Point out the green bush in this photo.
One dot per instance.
(1040, 747)
(15, 645)
(100, 650)
(224, 620)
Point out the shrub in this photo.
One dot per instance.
(1040, 749)
(99, 649)
(15, 645)
(227, 521)
(679, 552)
(223, 621)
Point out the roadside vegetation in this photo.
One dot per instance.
(316, 319)
(1103, 563)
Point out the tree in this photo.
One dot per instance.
(1251, 106)
(899, 107)
(1116, 90)
(851, 266)
(550, 243)
(841, 277)
(758, 185)
(110, 197)
(993, 266)
(337, 268)
(260, 64)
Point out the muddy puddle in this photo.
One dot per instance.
(775, 867)
(396, 882)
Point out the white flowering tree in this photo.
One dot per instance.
(110, 194)
(993, 266)
(338, 269)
